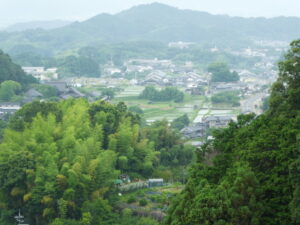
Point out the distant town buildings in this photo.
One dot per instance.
(199, 129)
(217, 121)
(64, 90)
(180, 44)
(41, 73)
(8, 108)
(194, 131)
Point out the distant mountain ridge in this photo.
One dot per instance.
(46, 25)
(158, 22)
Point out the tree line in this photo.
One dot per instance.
(250, 173)
(59, 161)
(166, 94)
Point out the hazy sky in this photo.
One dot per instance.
(13, 11)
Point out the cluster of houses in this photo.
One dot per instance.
(198, 130)
(191, 81)
(165, 73)
(64, 91)
(148, 66)
(7, 109)
(157, 72)
(42, 74)
(219, 87)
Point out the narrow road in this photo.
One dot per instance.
(253, 103)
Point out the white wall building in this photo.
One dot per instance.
(41, 73)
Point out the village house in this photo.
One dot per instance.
(217, 121)
(32, 95)
(195, 90)
(156, 78)
(7, 109)
(42, 74)
(196, 130)
(108, 71)
(64, 90)
(191, 78)
(224, 86)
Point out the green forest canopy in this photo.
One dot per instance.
(221, 73)
(59, 160)
(254, 177)
(227, 97)
(166, 94)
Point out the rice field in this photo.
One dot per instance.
(196, 107)
(160, 110)
(215, 112)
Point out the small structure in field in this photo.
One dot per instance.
(155, 182)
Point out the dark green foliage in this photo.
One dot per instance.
(166, 94)
(65, 222)
(265, 105)
(100, 211)
(221, 73)
(136, 109)
(295, 179)
(8, 90)
(29, 111)
(11, 71)
(79, 66)
(130, 200)
(93, 53)
(29, 55)
(173, 152)
(180, 122)
(3, 125)
(143, 202)
(110, 92)
(161, 135)
(179, 155)
(46, 90)
(110, 117)
(59, 161)
(250, 173)
(227, 97)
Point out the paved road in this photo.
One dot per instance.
(253, 103)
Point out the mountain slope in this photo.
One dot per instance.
(158, 22)
(46, 25)
(12, 71)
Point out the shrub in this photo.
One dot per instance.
(143, 202)
(131, 199)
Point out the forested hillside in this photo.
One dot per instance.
(59, 161)
(250, 173)
(12, 71)
(46, 25)
(157, 22)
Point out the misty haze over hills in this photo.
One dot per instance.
(46, 25)
(158, 22)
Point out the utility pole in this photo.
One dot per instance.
(20, 219)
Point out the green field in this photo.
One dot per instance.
(160, 110)
(192, 106)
